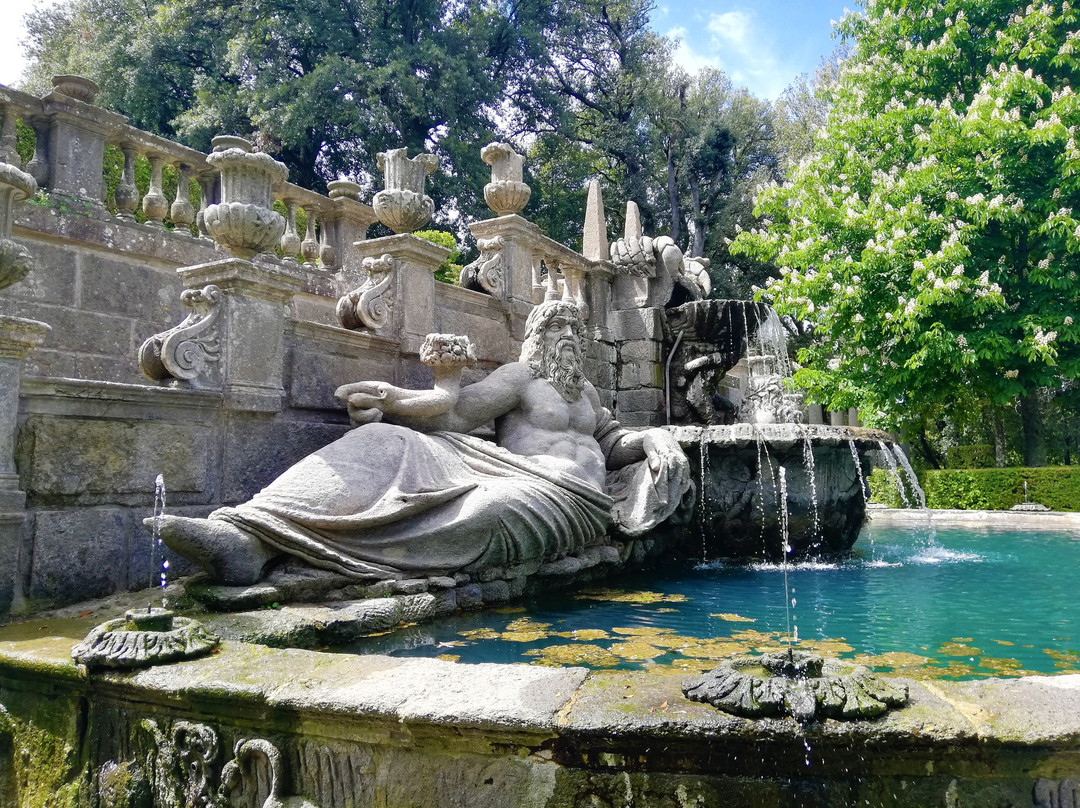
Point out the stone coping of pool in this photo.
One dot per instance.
(742, 435)
(999, 520)
(428, 732)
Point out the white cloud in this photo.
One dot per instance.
(736, 44)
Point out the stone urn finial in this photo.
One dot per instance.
(506, 193)
(244, 222)
(78, 87)
(403, 206)
(15, 261)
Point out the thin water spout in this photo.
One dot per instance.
(157, 578)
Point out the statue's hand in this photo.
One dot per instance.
(367, 401)
(660, 448)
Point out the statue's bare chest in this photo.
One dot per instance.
(546, 409)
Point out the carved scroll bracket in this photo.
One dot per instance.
(486, 273)
(255, 777)
(187, 351)
(371, 305)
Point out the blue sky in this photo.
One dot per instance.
(762, 45)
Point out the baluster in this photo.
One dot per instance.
(38, 167)
(309, 247)
(8, 137)
(208, 190)
(290, 240)
(154, 204)
(126, 195)
(327, 250)
(182, 212)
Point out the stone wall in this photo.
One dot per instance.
(90, 432)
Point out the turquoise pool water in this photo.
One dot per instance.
(955, 604)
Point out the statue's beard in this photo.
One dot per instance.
(562, 368)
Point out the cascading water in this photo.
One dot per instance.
(159, 577)
(865, 490)
(789, 594)
(913, 481)
(703, 457)
(808, 466)
(894, 472)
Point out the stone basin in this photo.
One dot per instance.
(340, 731)
(740, 514)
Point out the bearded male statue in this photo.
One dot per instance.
(409, 493)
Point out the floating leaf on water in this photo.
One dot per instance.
(963, 639)
(480, 634)
(695, 665)
(525, 624)
(509, 610)
(827, 648)
(1000, 664)
(636, 650)
(666, 610)
(958, 649)
(582, 634)
(643, 631)
(952, 669)
(1004, 642)
(715, 650)
(591, 655)
(621, 596)
(524, 636)
(449, 657)
(893, 659)
(752, 635)
(734, 618)
(1062, 656)
(674, 641)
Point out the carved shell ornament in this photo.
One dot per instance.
(485, 274)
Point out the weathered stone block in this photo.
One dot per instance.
(42, 362)
(82, 331)
(635, 324)
(123, 369)
(113, 457)
(258, 451)
(112, 286)
(640, 374)
(495, 592)
(470, 596)
(313, 376)
(642, 350)
(79, 553)
(648, 399)
(639, 418)
(11, 525)
(53, 278)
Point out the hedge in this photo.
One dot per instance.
(978, 456)
(883, 488)
(1056, 487)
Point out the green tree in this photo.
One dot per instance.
(322, 85)
(930, 234)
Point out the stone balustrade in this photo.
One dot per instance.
(71, 137)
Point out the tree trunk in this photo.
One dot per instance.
(1031, 417)
(697, 241)
(673, 196)
(999, 439)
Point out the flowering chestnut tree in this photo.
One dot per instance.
(933, 235)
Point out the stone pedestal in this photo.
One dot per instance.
(519, 256)
(17, 338)
(76, 153)
(411, 293)
(252, 328)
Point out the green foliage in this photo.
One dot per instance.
(1056, 487)
(449, 271)
(930, 235)
(883, 490)
(977, 456)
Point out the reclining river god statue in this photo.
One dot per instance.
(409, 492)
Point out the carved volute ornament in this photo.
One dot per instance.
(244, 222)
(506, 193)
(402, 205)
(15, 260)
(485, 274)
(255, 778)
(370, 305)
(186, 351)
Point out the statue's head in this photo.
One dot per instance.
(554, 346)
